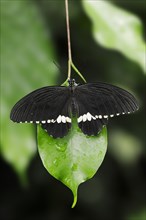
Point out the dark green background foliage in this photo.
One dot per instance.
(33, 35)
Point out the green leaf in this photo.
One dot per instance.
(117, 29)
(26, 64)
(126, 148)
(74, 158)
(137, 214)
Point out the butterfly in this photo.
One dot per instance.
(92, 103)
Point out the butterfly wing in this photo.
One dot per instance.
(96, 102)
(48, 106)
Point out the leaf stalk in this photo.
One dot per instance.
(70, 62)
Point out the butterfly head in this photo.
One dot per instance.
(72, 82)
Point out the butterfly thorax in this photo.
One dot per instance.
(72, 83)
(72, 87)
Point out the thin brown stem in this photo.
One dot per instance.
(68, 39)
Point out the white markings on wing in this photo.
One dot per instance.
(80, 119)
(68, 119)
(59, 119)
(94, 118)
(88, 116)
(84, 118)
(63, 119)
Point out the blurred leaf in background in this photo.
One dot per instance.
(27, 56)
(141, 215)
(125, 147)
(117, 29)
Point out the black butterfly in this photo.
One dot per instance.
(92, 103)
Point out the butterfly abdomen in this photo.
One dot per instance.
(74, 108)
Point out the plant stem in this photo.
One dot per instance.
(68, 39)
(70, 63)
(77, 71)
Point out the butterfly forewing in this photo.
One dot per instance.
(98, 101)
(48, 106)
(106, 100)
(40, 105)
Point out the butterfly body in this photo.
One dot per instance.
(92, 104)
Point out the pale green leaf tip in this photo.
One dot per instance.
(23, 178)
(75, 197)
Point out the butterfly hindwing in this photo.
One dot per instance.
(59, 128)
(93, 127)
